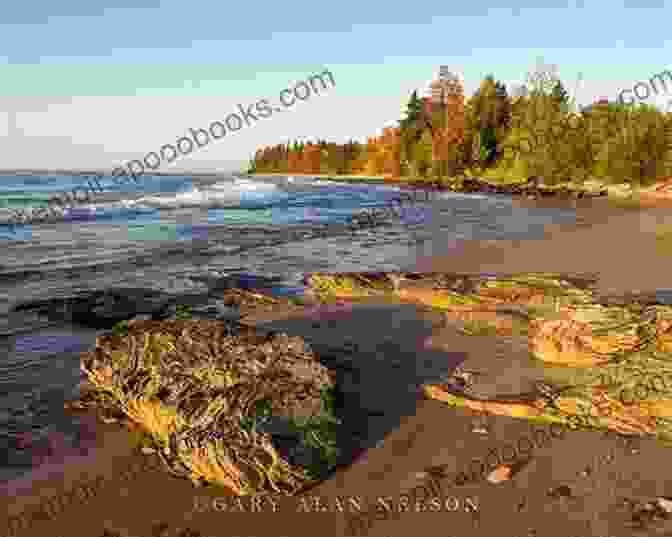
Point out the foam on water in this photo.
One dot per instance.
(228, 194)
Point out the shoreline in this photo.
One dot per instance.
(532, 189)
(630, 258)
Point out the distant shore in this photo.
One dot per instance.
(654, 195)
(331, 177)
(466, 184)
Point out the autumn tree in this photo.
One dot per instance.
(335, 159)
(356, 157)
(312, 158)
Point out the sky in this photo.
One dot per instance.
(88, 86)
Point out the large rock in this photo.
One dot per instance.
(101, 308)
(190, 382)
(104, 308)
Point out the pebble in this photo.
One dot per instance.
(499, 475)
(561, 491)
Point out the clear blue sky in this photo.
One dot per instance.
(141, 72)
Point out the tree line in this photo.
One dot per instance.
(497, 136)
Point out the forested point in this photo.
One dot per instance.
(498, 138)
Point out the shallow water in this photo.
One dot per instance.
(182, 234)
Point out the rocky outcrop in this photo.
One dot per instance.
(532, 188)
(190, 384)
(102, 309)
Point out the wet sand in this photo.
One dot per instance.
(575, 484)
(617, 245)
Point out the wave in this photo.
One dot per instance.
(25, 207)
(326, 182)
(234, 193)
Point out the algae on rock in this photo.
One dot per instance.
(594, 353)
(196, 390)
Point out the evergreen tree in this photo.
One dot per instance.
(488, 118)
(422, 153)
(252, 167)
(414, 111)
(503, 112)
(488, 145)
(559, 94)
(484, 103)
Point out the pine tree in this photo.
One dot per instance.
(252, 166)
(504, 114)
(488, 119)
(414, 111)
(485, 104)
(488, 145)
(422, 153)
(559, 94)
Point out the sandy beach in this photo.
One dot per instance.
(618, 245)
(569, 484)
